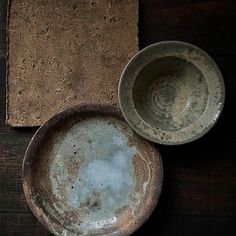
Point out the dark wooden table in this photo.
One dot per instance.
(199, 192)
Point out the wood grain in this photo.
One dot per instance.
(166, 225)
(12, 148)
(3, 5)
(25, 224)
(198, 177)
(199, 189)
(208, 24)
(21, 224)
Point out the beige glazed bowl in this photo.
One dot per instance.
(171, 92)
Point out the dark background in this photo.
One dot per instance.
(199, 192)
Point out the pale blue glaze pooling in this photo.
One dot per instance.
(92, 170)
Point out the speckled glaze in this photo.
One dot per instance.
(171, 92)
(86, 172)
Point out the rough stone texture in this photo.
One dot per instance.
(62, 53)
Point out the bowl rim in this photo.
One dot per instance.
(40, 135)
(142, 53)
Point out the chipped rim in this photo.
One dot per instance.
(41, 134)
(139, 61)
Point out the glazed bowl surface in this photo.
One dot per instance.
(86, 172)
(171, 92)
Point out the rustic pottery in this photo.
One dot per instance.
(171, 92)
(86, 172)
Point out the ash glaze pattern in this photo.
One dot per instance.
(177, 94)
(94, 176)
(105, 179)
(171, 92)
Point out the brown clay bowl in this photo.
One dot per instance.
(86, 172)
(171, 92)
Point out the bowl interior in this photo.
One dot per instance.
(90, 174)
(170, 93)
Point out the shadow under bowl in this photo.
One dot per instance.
(171, 92)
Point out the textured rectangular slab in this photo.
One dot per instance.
(62, 53)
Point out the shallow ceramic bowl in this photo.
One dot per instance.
(86, 172)
(171, 92)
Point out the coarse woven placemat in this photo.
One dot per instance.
(62, 53)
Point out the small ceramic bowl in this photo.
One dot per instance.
(171, 92)
(86, 172)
